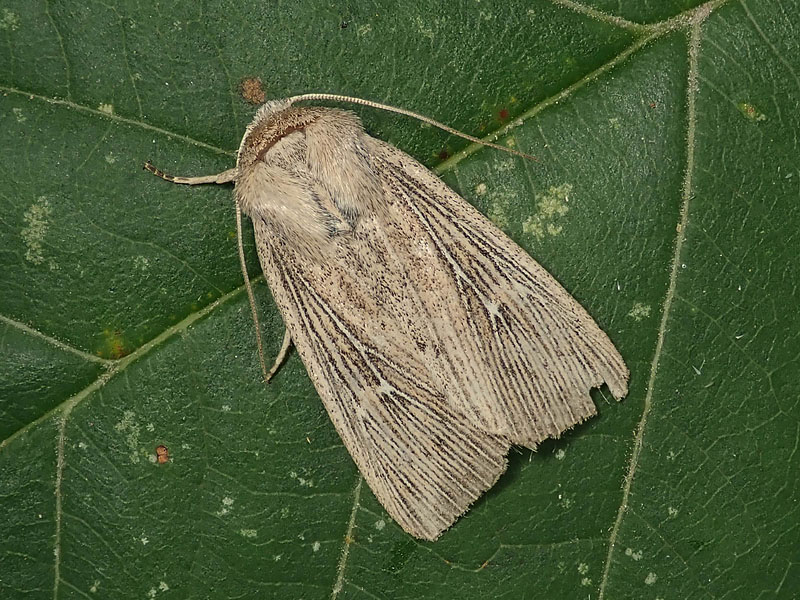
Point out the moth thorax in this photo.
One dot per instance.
(269, 128)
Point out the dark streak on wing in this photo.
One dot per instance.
(540, 349)
(422, 459)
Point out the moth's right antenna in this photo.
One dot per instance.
(408, 113)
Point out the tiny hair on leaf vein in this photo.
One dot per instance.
(434, 341)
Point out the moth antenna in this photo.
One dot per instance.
(407, 113)
(249, 289)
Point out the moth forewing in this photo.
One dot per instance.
(433, 340)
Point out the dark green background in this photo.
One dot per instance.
(667, 129)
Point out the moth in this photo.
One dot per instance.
(434, 341)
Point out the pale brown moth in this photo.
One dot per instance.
(435, 342)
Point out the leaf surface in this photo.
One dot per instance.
(665, 199)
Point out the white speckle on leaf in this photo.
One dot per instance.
(141, 263)
(277, 557)
(162, 585)
(634, 554)
(672, 511)
(505, 165)
(380, 524)
(226, 408)
(152, 593)
(301, 481)
(425, 29)
(586, 582)
(227, 505)
(248, 533)
(560, 454)
(150, 427)
(651, 578)
(583, 568)
(363, 29)
(315, 547)
(95, 585)
(106, 108)
(639, 311)
(82, 445)
(110, 158)
(480, 189)
(129, 427)
(144, 540)
(21, 118)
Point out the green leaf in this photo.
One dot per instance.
(665, 199)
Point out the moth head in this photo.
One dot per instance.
(273, 121)
(306, 170)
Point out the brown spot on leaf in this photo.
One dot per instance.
(252, 91)
(114, 345)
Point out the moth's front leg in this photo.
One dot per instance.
(224, 177)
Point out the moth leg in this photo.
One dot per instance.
(287, 341)
(224, 177)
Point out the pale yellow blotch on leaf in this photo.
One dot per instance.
(550, 206)
(499, 216)
(37, 221)
(639, 311)
(9, 21)
(113, 344)
(751, 112)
